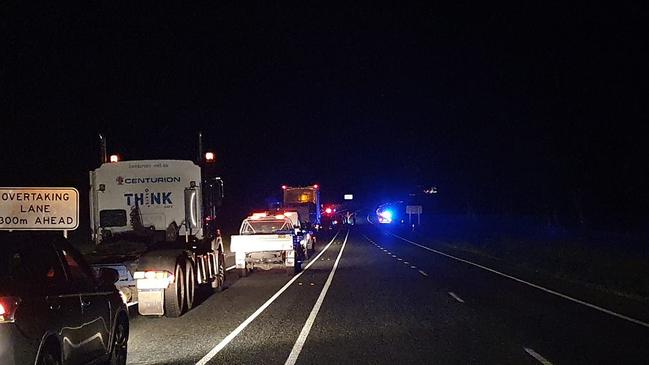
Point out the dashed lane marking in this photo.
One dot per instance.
(537, 356)
(454, 296)
(550, 291)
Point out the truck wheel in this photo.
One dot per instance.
(219, 280)
(175, 293)
(190, 284)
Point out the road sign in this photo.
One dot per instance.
(33, 209)
(413, 209)
(349, 196)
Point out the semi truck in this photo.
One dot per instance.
(305, 200)
(154, 222)
(271, 239)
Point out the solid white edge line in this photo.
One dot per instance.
(454, 296)
(297, 347)
(263, 307)
(550, 291)
(537, 356)
(231, 268)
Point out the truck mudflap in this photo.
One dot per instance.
(151, 302)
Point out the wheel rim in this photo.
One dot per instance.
(221, 275)
(120, 344)
(190, 285)
(180, 287)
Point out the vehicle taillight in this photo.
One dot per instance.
(8, 306)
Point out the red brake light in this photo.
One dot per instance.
(316, 186)
(8, 306)
(284, 187)
(328, 210)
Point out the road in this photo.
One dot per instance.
(372, 297)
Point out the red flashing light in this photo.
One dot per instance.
(114, 158)
(328, 210)
(209, 157)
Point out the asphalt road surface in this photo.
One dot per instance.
(372, 297)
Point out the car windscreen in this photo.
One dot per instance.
(267, 226)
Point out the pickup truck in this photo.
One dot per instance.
(271, 239)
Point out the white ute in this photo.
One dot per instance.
(270, 239)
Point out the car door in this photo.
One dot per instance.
(95, 306)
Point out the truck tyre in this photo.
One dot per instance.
(175, 293)
(190, 284)
(219, 280)
(298, 267)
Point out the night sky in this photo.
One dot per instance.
(507, 109)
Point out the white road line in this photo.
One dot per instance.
(423, 273)
(231, 268)
(399, 259)
(413, 267)
(454, 296)
(406, 263)
(537, 356)
(394, 255)
(550, 291)
(263, 307)
(297, 348)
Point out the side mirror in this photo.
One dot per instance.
(107, 275)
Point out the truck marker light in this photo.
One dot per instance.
(114, 158)
(209, 156)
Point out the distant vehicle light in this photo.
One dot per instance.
(209, 156)
(348, 196)
(386, 214)
(315, 186)
(328, 210)
(284, 187)
(114, 158)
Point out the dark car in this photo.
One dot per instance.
(53, 308)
